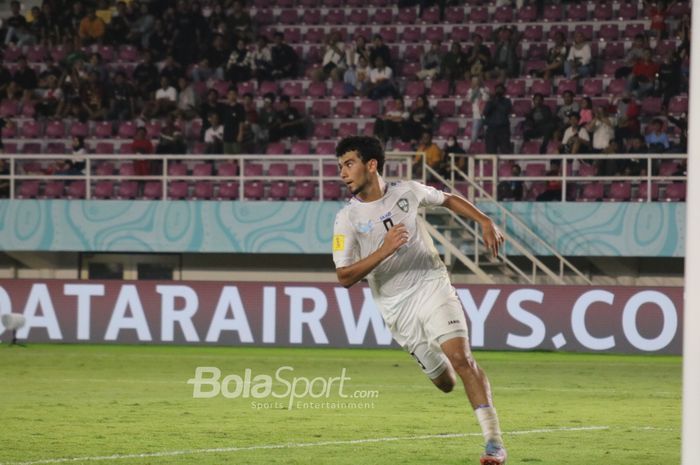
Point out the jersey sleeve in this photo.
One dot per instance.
(427, 195)
(344, 241)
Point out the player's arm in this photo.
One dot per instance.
(493, 237)
(395, 237)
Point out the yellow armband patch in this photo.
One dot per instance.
(338, 243)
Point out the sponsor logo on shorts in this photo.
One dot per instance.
(453, 322)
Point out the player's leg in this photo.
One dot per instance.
(478, 389)
(434, 365)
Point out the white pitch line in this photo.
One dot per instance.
(296, 445)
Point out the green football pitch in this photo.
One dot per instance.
(114, 405)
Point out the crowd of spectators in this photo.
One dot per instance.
(183, 47)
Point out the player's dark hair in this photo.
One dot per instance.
(368, 148)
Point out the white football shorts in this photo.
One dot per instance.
(430, 316)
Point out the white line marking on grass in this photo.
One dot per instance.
(295, 445)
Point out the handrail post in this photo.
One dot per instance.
(13, 160)
(88, 173)
(164, 179)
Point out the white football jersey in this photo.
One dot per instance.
(360, 228)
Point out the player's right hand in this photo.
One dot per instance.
(395, 237)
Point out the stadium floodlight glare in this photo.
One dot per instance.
(691, 305)
(13, 322)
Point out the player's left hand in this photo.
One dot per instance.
(493, 237)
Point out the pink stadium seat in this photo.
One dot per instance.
(360, 17)
(303, 170)
(454, 14)
(347, 129)
(177, 169)
(557, 28)
(460, 33)
(335, 17)
(521, 107)
(592, 86)
(229, 169)
(617, 86)
(413, 52)
(527, 14)
(541, 86)
(316, 90)
(31, 130)
(55, 130)
(515, 88)
(609, 32)
(321, 109)
(667, 168)
(36, 54)
(577, 11)
(632, 30)
(531, 147)
(202, 169)
(56, 148)
(105, 169)
(383, 16)
(414, 89)
(587, 170)
(587, 31)
(479, 14)
(534, 66)
(412, 34)
(278, 170)
(332, 190)
(448, 128)
(434, 33)
(103, 190)
(153, 129)
(28, 190)
(249, 86)
(566, 84)
(620, 191)
(665, 47)
(477, 147)
(534, 33)
(431, 15)
(54, 189)
(330, 171)
(345, 109)
(203, 190)
(12, 53)
(651, 106)
(407, 16)
(288, 16)
(484, 30)
(104, 148)
(177, 190)
(252, 169)
(368, 129)
(675, 192)
(369, 108)
(253, 190)
(275, 148)
(440, 89)
(103, 130)
(627, 10)
(127, 130)
(553, 13)
(304, 190)
(279, 190)
(9, 108)
(31, 148)
(535, 169)
(323, 130)
(301, 147)
(153, 190)
(128, 53)
(325, 148)
(537, 51)
(293, 89)
(127, 190)
(592, 192)
(229, 190)
(503, 14)
(127, 169)
(614, 50)
(603, 11)
(678, 104)
(76, 190)
(445, 108)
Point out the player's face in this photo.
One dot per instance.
(354, 173)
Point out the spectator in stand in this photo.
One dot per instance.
(189, 32)
(657, 11)
(569, 106)
(75, 109)
(356, 78)
(214, 135)
(210, 105)
(239, 20)
(72, 19)
(635, 166)
(643, 77)
(25, 76)
(430, 61)
(627, 116)
(171, 69)
(76, 164)
(576, 138)
(511, 190)
(670, 77)
(505, 58)
(586, 111)
(92, 29)
(656, 139)
(454, 63)
(211, 66)
(553, 192)
(497, 121)
(291, 122)
(391, 123)
(333, 65)
(246, 137)
(93, 97)
(556, 57)
(5, 78)
(146, 76)
(187, 100)
(268, 121)
(261, 60)
(478, 58)
(434, 157)
(478, 95)
(452, 147)
(238, 65)
(119, 26)
(381, 82)
(602, 129)
(355, 50)
(165, 100)
(420, 119)
(682, 124)
(121, 99)
(285, 61)
(35, 24)
(578, 62)
(539, 122)
(50, 96)
(96, 64)
(234, 115)
(633, 55)
(104, 11)
(142, 145)
(251, 116)
(142, 27)
(170, 139)
(380, 49)
(17, 28)
(159, 40)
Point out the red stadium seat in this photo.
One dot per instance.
(592, 192)
(620, 191)
(177, 190)
(103, 190)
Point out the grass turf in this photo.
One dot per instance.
(68, 401)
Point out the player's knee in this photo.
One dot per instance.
(445, 382)
(462, 362)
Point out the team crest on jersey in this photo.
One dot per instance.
(403, 204)
(365, 227)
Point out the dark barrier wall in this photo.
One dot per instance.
(512, 317)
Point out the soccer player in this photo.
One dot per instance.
(377, 235)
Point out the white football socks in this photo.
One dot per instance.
(490, 428)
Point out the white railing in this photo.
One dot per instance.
(397, 165)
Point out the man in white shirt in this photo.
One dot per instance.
(576, 138)
(378, 235)
(578, 62)
(165, 100)
(380, 81)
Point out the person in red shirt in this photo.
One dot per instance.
(142, 145)
(643, 77)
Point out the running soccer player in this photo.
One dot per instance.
(377, 235)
